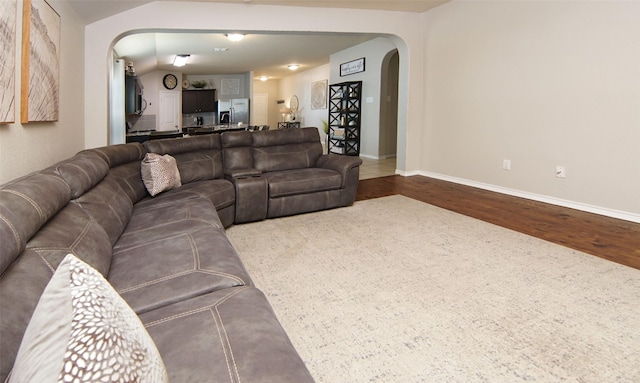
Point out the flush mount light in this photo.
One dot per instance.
(293, 66)
(263, 78)
(235, 36)
(180, 60)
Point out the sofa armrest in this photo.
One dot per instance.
(237, 173)
(341, 164)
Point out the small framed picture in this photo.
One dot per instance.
(351, 67)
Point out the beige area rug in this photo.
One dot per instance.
(396, 290)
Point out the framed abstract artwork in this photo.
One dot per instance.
(40, 88)
(319, 94)
(8, 62)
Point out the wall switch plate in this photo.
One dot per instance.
(369, 100)
(506, 164)
(561, 172)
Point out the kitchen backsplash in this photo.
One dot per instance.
(143, 122)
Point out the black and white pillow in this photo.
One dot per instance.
(83, 331)
(160, 173)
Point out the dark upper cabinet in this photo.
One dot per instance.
(133, 95)
(198, 101)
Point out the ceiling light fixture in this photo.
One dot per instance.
(235, 36)
(293, 66)
(263, 78)
(220, 49)
(180, 60)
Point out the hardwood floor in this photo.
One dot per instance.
(609, 238)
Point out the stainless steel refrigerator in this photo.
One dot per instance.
(233, 111)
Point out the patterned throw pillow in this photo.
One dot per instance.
(83, 331)
(160, 173)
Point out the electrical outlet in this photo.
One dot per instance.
(561, 172)
(506, 164)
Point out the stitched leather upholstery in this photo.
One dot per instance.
(238, 337)
(70, 231)
(168, 255)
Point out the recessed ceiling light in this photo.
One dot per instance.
(180, 60)
(235, 36)
(293, 66)
(263, 78)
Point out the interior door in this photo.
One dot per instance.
(169, 110)
(260, 112)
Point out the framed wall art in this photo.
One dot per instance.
(351, 67)
(319, 94)
(40, 88)
(8, 64)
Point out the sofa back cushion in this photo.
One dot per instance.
(116, 155)
(129, 178)
(199, 158)
(124, 163)
(236, 150)
(109, 205)
(82, 172)
(26, 204)
(286, 149)
(72, 230)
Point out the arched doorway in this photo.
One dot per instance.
(388, 143)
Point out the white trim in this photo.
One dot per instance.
(532, 196)
(405, 173)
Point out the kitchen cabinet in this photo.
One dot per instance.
(133, 95)
(198, 101)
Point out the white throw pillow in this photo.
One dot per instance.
(160, 173)
(83, 331)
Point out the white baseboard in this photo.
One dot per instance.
(383, 157)
(532, 196)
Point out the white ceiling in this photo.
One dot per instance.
(93, 10)
(263, 53)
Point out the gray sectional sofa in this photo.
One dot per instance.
(168, 256)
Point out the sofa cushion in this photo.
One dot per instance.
(82, 172)
(124, 162)
(286, 149)
(160, 173)
(198, 158)
(302, 181)
(236, 151)
(108, 205)
(82, 330)
(219, 191)
(170, 254)
(116, 155)
(129, 178)
(230, 335)
(25, 205)
(71, 231)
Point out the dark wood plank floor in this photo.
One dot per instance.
(613, 239)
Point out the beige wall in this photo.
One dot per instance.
(300, 86)
(100, 37)
(541, 83)
(374, 52)
(29, 147)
